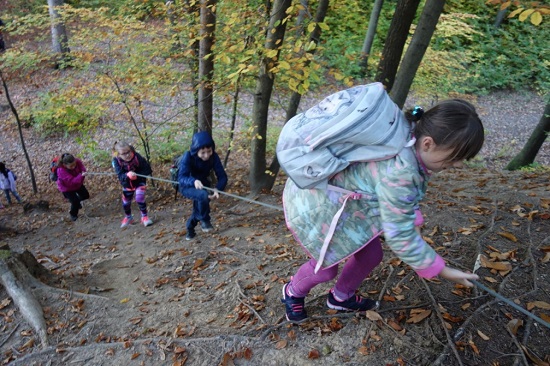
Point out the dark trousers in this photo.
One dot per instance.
(75, 197)
(201, 206)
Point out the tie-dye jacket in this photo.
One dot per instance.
(391, 191)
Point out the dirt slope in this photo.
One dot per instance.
(147, 296)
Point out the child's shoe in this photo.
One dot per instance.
(354, 303)
(206, 226)
(190, 235)
(294, 306)
(128, 220)
(146, 221)
(74, 217)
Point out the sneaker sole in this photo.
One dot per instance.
(206, 230)
(341, 308)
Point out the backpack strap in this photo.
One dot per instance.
(347, 195)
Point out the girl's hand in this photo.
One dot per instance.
(457, 276)
(131, 175)
(198, 184)
(84, 174)
(214, 195)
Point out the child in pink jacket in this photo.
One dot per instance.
(70, 182)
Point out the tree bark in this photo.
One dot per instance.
(206, 64)
(395, 41)
(20, 130)
(60, 41)
(500, 17)
(531, 148)
(369, 37)
(259, 179)
(416, 50)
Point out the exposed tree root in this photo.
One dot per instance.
(17, 275)
(20, 291)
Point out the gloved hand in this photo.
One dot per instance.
(131, 175)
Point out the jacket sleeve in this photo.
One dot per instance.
(81, 165)
(120, 172)
(67, 181)
(398, 193)
(220, 173)
(185, 177)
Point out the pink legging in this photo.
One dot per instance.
(355, 270)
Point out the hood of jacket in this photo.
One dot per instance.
(200, 140)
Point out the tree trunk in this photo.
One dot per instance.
(395, 41)
(206, 64)
(296, 97)
(20, 129)
(369, 37)
(527, 155)
(302, 13)
(259, 179)
(416, 50)
(60, 41)
(500, 17)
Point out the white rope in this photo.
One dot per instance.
(207, 188)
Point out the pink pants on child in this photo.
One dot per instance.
(355, 270)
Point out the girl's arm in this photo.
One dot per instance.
(398, 193)
(457, 276)
(121, 173)
(69, 181)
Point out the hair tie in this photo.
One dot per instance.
(417, 112)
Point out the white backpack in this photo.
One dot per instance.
(353, 125)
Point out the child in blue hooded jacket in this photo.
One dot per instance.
(194, 171)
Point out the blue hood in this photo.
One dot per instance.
(200, 140)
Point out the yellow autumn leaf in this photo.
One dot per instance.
(284, 65)
(505, 5)
(536, 18)
(508, 236)
(271, 53)
(515, 12)
(525, 14)
(125, 300)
